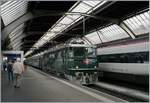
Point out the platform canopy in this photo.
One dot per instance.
(35, 26)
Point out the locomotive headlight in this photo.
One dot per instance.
(77, 67)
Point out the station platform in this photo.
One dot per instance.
(38, 87)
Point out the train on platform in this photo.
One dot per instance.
(129, 62)
(74, 60)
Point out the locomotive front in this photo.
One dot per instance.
(82, 61)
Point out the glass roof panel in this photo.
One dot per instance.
(8, 19)
(7, 4)
(57, 29)
(113, 32)
(93, 37)
(17, 45)
(13, 10)
(147, 15)
(98, 5)
(12, 14)
(61, 25)
(66, 21)
(145, 21)
(49, 34)
(92, 3)
(141, 23)
(19, 28)
(74, 17)
(13, 7)
(131, 23)
(82, 8)
(18, 34)
(136, 20)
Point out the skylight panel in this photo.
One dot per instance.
(56, 29)
(10, 11)
(19, 34)
(103, 37)
(61, 25)
(139, 24)
(136, 20)
(92, 3)
(74, 17)
(120, 32)
(50, 34)
(14, 13)
(45, 38)
(82, 8)
(66, 21)
(113, 32)
(9, 18)
(93, 37)
(144, 19)
(7, 4)
(131, 24)
(95, 7)
(147, 15)
(20, 27)
(13, 8)
(17, 44)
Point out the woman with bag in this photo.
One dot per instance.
(18, 70)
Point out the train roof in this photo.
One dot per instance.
(138, 47)
(74, 42)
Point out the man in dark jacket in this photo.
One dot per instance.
(10, 71)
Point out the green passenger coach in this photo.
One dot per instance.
(74, 60)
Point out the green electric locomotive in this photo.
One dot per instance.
(74, 60)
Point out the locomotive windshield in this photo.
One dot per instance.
(82, 57)
(82, 52)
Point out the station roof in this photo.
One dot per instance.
(34, 26)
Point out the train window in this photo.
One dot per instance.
(141, 57)
(79, 51)
(145, 57)
(70, 48)
(138, 58)
(103, 58)
(70, 53)
(91, 52)
(124, 58)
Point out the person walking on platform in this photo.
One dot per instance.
(10, 71)
(5, 65)
(25, 66)
(18, 70)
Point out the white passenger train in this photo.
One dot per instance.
(125, 62)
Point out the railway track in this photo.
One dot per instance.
(123, 93)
